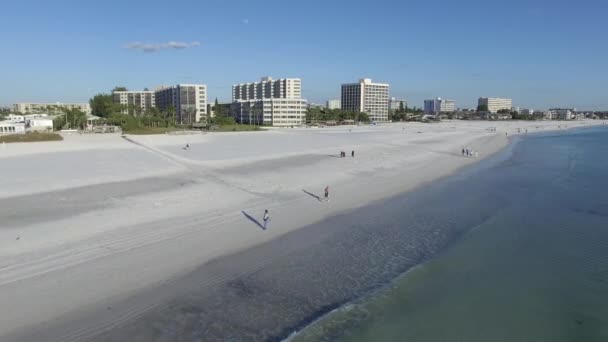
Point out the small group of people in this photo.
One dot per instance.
(187, 147)
(343, 154)
(266, 216)
(467, 152)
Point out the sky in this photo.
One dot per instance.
(540, 53)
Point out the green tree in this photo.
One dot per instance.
(117, 88)
(103, 106)
(482, 108)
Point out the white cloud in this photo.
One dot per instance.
(155, 47)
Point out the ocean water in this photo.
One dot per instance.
(533, 266)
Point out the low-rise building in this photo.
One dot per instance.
(270, 112)
(11, 128)
(52, 108)
(563, 113)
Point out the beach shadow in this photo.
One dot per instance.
(252, 219)
(333, 156)
(312, 195)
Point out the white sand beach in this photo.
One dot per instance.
(91, 221)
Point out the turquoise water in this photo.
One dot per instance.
(535, 269)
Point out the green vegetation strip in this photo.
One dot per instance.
(30, 137)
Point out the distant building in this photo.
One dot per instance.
(495, 104)
(366, 97)
(439, 105)
(269, 102)
(51, 108)
(188, 101)
(334, 104)
(134, 101)
(395, 104)
(563, 113)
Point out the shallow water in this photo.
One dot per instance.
(535, 270)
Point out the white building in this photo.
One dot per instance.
(39, 125)
(11, 128)
(366, 97)
(267, 88)
(563, 113)
(334, 104)
(187, 101)
(269, 102)
(495, 104)
(395, 104)
(52, 108)
(135, 102)
(270, 112)
(439, 105)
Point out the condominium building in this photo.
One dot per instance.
(50, 108)
(267, 88)
(395, 104)
(495, 104)
(270, 112)
(134, 102)
(366, 97)
(187, 101)
(439, 105)
(269, 102)
(334, 104)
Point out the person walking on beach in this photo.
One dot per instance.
(463, 151)
(327, 193)
(266, 218)
(352, 154)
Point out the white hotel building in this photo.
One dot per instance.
(142, 100)
(366, 97)
(495, 104)
(269, 102)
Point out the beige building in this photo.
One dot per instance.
(135, 102)
(366, 97)
(50, 108)
(495, 104)
(187, 101)
(269, 102)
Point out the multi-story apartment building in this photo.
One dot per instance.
(495, 104)
(439, 105)
(187, 101)
(333, 104)
(267, 88)
(269, 102)
(135, 102)
(395, 104)
(50, 108)
(367, 97)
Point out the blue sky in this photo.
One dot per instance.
(540, 53)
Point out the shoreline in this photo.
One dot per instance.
(291, 205)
